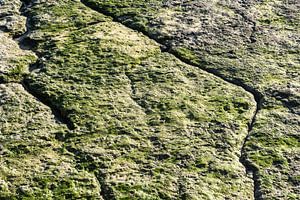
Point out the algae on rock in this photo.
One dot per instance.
(34, 164)
(139, 123)
(148, 125)
(254, 44)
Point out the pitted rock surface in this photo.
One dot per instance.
(149, 99)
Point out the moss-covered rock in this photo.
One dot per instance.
(14, 61)
(11, 20)
(121, 119)
(254, 44)
(148, 125)
(34, 164)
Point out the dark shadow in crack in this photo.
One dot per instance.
(256, 94)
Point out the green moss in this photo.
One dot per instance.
(268, 159)
(188, 55)
(265, 63)
(15, 75)
(119, 93)
(33, 165)
(18, 68)
(143, 117)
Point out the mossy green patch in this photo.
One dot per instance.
(33, 166)
(253, 44)
(141, 118)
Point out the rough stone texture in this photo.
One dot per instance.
(273, 149)
(10, 18)
(105, 114)
(13, 60)
(34, 165)
(255, 42)
(252, 43)
(149, 126)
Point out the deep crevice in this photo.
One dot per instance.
(182, 190)
(93, 168)
(59, 116)
(133, 93)
(26, 43)
(250, 168)
(257, 95)
(106, 191)
(237, 82)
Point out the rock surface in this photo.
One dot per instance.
(254, 44)
(13, 60)
(106, 112)
(34, 164)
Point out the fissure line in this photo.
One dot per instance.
(256, 94)
(25, 43)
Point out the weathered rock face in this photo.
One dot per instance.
(121, 119)
(13, 60)
(147, 124)
(254, 44)
(34, 164)
(11, 19)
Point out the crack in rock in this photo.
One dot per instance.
(256, 94)
(26, 43)
(65, 120)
